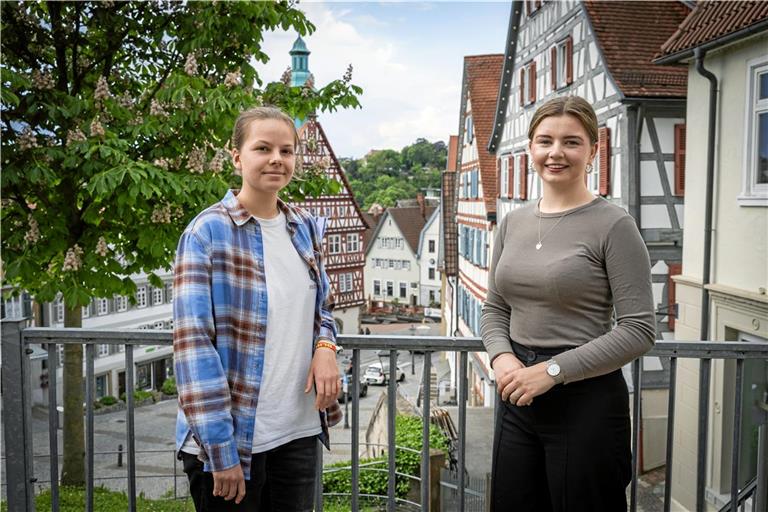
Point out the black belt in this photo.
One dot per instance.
(530, 355)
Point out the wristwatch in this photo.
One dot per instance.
(553, 370)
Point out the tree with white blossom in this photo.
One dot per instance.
(116, 125)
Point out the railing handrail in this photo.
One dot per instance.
(666, 348)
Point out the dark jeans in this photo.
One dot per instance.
(282, 479)
(569, 451)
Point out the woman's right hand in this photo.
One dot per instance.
(503, 365)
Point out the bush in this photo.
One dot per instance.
(407, 435)
(72, 499)
(138, 395)
(108, 400)
(169, 386)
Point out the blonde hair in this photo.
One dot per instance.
(575, 106)
(245, 119)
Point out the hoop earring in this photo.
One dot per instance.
(589, 168)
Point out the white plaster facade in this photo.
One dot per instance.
(429, 243)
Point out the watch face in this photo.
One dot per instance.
(553, 369)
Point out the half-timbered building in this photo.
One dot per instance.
(344, 222)
(476, 206)
(603, 52)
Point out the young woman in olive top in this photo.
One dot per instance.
(561, 268)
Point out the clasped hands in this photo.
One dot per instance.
(519, 384)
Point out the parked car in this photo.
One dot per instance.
(375, 374)
(362, 390)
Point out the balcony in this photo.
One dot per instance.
(21, 478)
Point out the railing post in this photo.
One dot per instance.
(17, 417)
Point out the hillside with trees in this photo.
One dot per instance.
(384, 176)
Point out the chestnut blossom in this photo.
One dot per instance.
(125, 100)
(42, 81)
(96, 129)
(232, 79)
(101, 247)
(102, 90)
(162, 163)
(27, 139)
(286, 76)
(73, 260)
(196, 160)
(162, 214)
(75, 135)
(156, 108)
(190, 66)
(347, 75)
(33, 233)
(216, 164)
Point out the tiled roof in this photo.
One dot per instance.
(411, 222)
(482, 74)
(449, 233)
(712, 20)
(629, 35)
(372, 223)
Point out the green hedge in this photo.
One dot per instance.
(408, 435)
(138, 395)
(72, 499)
(169, 386)
(108, 400)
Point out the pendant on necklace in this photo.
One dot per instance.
(538, 246)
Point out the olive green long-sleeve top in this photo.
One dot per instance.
(592, 261)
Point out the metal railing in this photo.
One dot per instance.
(16, 341)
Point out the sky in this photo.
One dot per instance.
(407, 57)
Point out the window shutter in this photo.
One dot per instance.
(553, 68)
(569, 60)
(523, 177)
(522, 86)
(498, 178)
(674, 269)
(510, 176)
(679, 159)
(604, 147)
(532, 96)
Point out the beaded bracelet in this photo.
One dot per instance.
(325, 344)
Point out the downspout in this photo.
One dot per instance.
(705, 364)
(699, 55)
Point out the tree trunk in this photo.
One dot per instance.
(73, 467)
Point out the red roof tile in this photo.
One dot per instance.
(711, 20)
(482, 74)
(630, 35)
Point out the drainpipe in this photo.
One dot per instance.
(705, 364)
(699, 54)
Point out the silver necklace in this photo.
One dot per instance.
(538, 245)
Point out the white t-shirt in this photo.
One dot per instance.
(284, 412)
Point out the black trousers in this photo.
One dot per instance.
(569, 451)
(282, 479)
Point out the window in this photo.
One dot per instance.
(103, 350)
(520, 185)
(431, 272)
(169, 292)
(345, 282)
(376, 287)
(431, 246)
(87, 311)
(406, 265)
(334, 244)
(755, 180)
(403, 290)
(141, 296)
(101, 386)
(528, 83)
(144, 376)
(503, 176)
(60, 310)
(353, 242)
(157, 296)
(121, 303)
(561, 70)
(414, 285)
(102, 306)
(390, 288)
(468, 129)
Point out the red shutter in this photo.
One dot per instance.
(553, 68)
(527, 7)
(569, 60)
(679, 159)
(604, 147)
(532, 97)
(538, 3)
(523, 177)
(674, 269)
(522, 86)
(498, 177)
(510, 176)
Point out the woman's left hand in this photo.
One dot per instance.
(527, 383)
(324, 374)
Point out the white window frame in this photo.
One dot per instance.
(504, 185)
(353, 242)
(402, 290)
(86, 311)
(169, 293)
(102, 306)
(103, 350)
(431, 246)
(390, 286)
(516, 176)
(753, 193)
(157, 296)
(376, 285)
(561, 66)
(334, 244)
(121, 303)
(59, 310)
(141, 297)
(593, 178)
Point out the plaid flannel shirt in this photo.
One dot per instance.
(219, 327)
